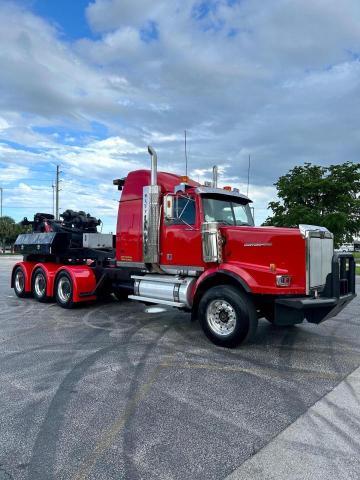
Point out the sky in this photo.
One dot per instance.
(88, 85)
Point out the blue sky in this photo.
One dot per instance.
(68, 15)
(88, 85)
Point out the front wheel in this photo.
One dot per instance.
(227, 316)
(64, 290)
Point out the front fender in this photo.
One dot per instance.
(84, 281)
(27, 269)
(231, 271)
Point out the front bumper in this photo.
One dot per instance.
(338, 292)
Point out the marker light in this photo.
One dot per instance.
(184, 179)
(228, 188)
(283, 280)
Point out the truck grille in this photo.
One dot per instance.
(319, 254)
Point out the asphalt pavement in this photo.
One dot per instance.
(109, 391)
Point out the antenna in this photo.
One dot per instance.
(248, 178)
(186, 159)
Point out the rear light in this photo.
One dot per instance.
(283, 280)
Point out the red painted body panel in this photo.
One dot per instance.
(251, 250)
(181, 244)
(83, 278)
(129, 223)
(28, 269)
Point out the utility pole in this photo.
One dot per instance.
(57, 181)
(53, 198)
(1, 195)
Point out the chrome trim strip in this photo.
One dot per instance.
(176, 293)
(315, 231)
(156, 300)
(130, 264)
(158, 278)
(185, 270)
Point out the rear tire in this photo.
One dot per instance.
(64, 290)
(39, 285)
(19, 283)
(227, 316)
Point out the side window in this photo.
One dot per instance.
(240, 214)
(184, 211)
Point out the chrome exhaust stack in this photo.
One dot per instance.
(151, 216)
(215, 176)
(152, 153)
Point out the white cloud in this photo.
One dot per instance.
(12, 173)
(3, 124)
(278, 80)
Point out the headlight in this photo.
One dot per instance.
(283, 280)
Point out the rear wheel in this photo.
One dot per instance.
(19, 282)
(39, 285)
(64, 290)
(227, 316)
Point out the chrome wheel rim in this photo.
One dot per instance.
(19, 281)
(221, 317)
(64, 289)
(40, 285)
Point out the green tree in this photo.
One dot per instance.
(9, 230)
(315, 195)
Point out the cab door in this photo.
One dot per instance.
(180, 243)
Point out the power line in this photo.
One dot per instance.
(31, 169)
(18, 207)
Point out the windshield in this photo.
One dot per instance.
(228, 211)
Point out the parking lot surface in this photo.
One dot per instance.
(109, 391)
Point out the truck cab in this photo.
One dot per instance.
(198, 244)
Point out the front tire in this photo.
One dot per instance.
(227, 316)
(19, 283)
(39, 285)
(64, 290)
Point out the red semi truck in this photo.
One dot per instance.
(192, 247)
